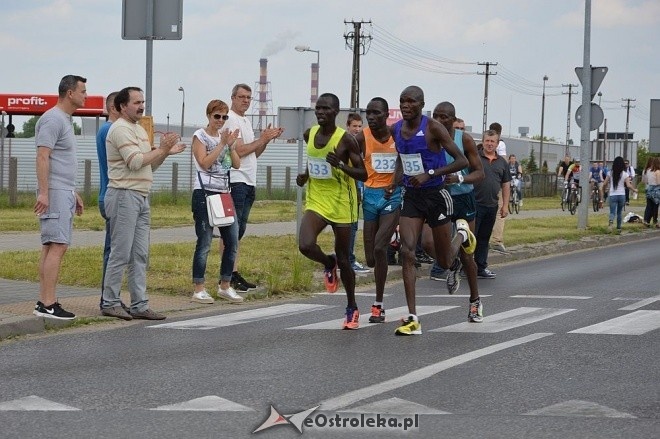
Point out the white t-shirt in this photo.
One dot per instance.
(620, 189)
(501, 149)
(248, 172)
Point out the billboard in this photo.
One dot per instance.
(36, 105)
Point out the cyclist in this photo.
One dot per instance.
(596, 177)
(573, 175)
(516, 176)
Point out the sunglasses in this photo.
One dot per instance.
(220, 116)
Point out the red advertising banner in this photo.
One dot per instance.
(393, 117)
(36, 105)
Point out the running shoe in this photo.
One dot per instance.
(352, 320)
(409, 327)
(330, 277)
(423, 258)
(55, 311)
(377, 314)
(470, 244)
(476, 312)
(453, 278)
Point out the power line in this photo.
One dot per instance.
(487, 73)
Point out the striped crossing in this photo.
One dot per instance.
(393, 315)
(505, 320)
(636, 323)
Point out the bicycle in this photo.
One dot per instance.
(595, 196)
(564, 196)
(514, 201)
(573, 198)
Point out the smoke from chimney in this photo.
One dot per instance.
(279, 44)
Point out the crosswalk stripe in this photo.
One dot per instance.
(35, 403)
(247, 316)
(505, 320)
(371, 294)
(531, 296)
(393, 315)
(641, 303)
(211, 403)
(635, 323)
(462, 296)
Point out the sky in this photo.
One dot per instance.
(435, 44)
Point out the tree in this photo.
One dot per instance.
(545, 138)
(531, 163)
(30, 124)
(643, 155)
(544, 168)
(28, 127)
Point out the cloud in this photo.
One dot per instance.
(612, 14)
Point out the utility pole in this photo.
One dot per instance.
(568, 118)
(625, 141)
(487, 73)
(359, 43)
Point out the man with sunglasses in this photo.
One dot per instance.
(244, 180)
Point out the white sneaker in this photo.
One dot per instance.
(359, 268)
(229, 294)
(202, 297)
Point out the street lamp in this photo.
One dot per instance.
(545, 78)
(183, 110)
(315, 73)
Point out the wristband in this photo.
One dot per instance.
(460, 178)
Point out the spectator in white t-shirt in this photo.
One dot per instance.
(617, 180)
(244, 180)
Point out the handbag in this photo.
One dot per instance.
(219, 207)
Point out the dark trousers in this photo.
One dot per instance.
(484, 222)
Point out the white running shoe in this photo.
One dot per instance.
(202, 297)
(229, 294)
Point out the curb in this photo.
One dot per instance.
(13, 325)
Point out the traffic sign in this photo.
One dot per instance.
(597, 75)
(597, 116)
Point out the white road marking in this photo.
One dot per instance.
(640, 304)
(395, 406)
(415, 376)
(247, 316)
(35, 403)
(392, 315)
(210, 403)
(576, 407)
(531, 296)
(338, 294)
(463, 296)
(635, 323)
(505, 320)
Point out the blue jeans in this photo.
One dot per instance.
(484, 222)
(617, 203)
(243, 196)
(351, 254)
(204, 232)
(106, 246)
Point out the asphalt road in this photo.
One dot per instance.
(568, 349)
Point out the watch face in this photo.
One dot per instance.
(431, 171)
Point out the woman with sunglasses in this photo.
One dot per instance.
(215, 153)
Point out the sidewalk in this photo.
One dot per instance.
(17, 298)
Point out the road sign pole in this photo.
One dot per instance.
(585, 144)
